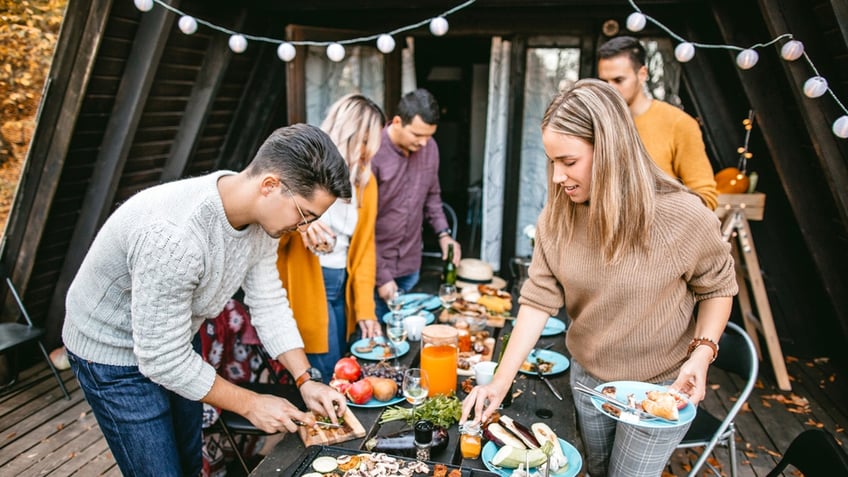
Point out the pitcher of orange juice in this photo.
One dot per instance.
(438, 357)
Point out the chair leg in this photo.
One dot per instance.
(731, 448)
(235, 446)
(55, 372)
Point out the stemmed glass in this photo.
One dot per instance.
(395, 330)
(448, 295)
(394, 323)
(395, 302)
(416, 385)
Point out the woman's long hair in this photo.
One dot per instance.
(355, 123)
(625, 180)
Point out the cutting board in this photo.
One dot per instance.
(319, 435)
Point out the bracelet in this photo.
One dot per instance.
(703, 341)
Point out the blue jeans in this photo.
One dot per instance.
(404, 283)
(150, 430)
(334, 288)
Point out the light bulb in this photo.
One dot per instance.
(335, 52)
(636, 21)
(385, 43)
(286, 51)
(438, 26)
(792, 50)
(746, 59)
(238, 43)
(684, 52)
(840, 127)
(187, 24)
(143, 5)
(815, 87)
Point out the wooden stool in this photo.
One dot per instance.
(736, 210)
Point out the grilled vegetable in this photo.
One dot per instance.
(509, 457)
(403, 443)
(501, 437)
(544, 434)
(521, 431)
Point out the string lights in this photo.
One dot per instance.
(816, 86)
(285, 51)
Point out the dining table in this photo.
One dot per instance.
(533, 402)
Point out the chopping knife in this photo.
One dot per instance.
(320, 423)
(545, 380)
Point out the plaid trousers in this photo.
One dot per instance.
(616, 449)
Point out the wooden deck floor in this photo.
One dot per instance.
(41, 433)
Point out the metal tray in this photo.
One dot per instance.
(305, 465)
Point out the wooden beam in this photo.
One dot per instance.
(73, 62)
(137, 79)
(206, 86)
(802, 183)
(262, 96)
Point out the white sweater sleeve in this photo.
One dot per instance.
(165, 269)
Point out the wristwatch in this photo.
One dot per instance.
(311, 374)
(444, 232)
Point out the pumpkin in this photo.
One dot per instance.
(731, 181)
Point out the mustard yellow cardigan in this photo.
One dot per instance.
(300, 272)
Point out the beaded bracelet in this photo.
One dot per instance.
(705, 342)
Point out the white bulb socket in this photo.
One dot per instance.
(438, 26)
(840, 127)
(636, 21)
(238, 43)
(684, 52)
(143, 5)
(385, 43)
(815, 87)
(187, 24)
(792, 50)
(746, 59)
(335, 52)
(286, 51)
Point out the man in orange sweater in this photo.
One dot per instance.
(672, 137)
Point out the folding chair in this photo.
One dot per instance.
(450, 215)
(739, 356)
(14, 335)
(816, 453)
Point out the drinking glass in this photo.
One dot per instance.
(448, 295)
(395, 330)
(395, 302)
(416, 385)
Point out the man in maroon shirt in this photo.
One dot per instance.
(407, 171)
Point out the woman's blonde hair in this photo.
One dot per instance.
(355, 123)
(625, 180)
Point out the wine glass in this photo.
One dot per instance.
(395, 302)
(448, 295)
(416, 385)
(395, 330)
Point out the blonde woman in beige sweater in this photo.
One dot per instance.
(630, 252)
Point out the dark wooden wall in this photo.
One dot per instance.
(132, 102)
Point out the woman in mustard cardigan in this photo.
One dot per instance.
(334, 261)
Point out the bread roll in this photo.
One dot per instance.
(661, 404)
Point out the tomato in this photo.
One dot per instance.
(360, 392)
(347, 368)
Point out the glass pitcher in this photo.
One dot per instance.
(520, 268)
(439, 355)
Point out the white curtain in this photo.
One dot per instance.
(361, 71)
(495, 152)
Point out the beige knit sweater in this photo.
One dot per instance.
(633, 320)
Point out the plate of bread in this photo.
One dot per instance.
(673, 408)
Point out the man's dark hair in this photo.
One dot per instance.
(305, 159)
(418, 103)
(624, 45)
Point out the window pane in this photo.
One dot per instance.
(361, 71)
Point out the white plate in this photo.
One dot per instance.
(638, 388)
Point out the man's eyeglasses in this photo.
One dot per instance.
(301, 226)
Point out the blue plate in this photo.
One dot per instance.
(575, 462)
(375, 403)
(414, 300)
(553, 326)
(378, 353)
(561, 363)
(623, 388)
(428, 317)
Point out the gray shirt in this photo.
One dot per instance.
(166, 260)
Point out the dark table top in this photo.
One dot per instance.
(535, 395)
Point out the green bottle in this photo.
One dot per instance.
(449, 269)
(507, 400)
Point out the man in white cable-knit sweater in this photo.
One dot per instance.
(171, 257)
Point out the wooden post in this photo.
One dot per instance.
(736, 210)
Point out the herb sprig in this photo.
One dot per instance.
(441, 410)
